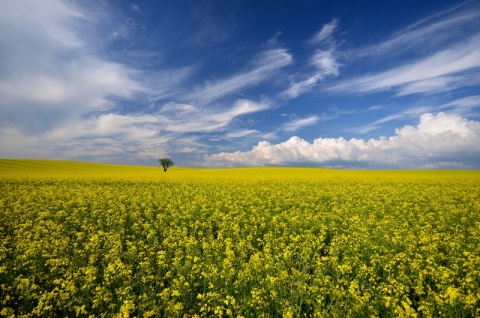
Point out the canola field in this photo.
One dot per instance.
(80, 240)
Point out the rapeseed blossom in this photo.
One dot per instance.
(272, 242)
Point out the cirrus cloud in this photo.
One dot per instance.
(266, 64)
(449, 67)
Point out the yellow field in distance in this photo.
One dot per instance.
(30, 168)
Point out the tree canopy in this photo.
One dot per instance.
(165, 163)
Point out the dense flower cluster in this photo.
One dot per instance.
(242, 243)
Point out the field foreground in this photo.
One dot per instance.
(80, 239)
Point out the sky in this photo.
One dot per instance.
(369, 84)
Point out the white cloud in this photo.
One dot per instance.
(407, 113)
(164, 84)
(440, 53)
(464, 102)
(62, 96)
(326, 66)
(441, 29)
(273, 41)
(141, 136)
(172, 118)
(265, 66)
(109, 138)
(300, 87)
(425, 75)
(295, 124)
(50, 68)
(376, 124)
(241, 133)
(436, 139)
(324, 62)
(185, 118)
(461, 106)
(299, 123)
(135, 7)
(325, 32)
(50, 22)
(432, 85)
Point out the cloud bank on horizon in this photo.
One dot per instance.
(435, 142)
(211, 84)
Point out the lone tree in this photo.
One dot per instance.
(165, 162)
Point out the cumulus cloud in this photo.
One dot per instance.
(433, 142)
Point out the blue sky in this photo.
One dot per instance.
(350, 84)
